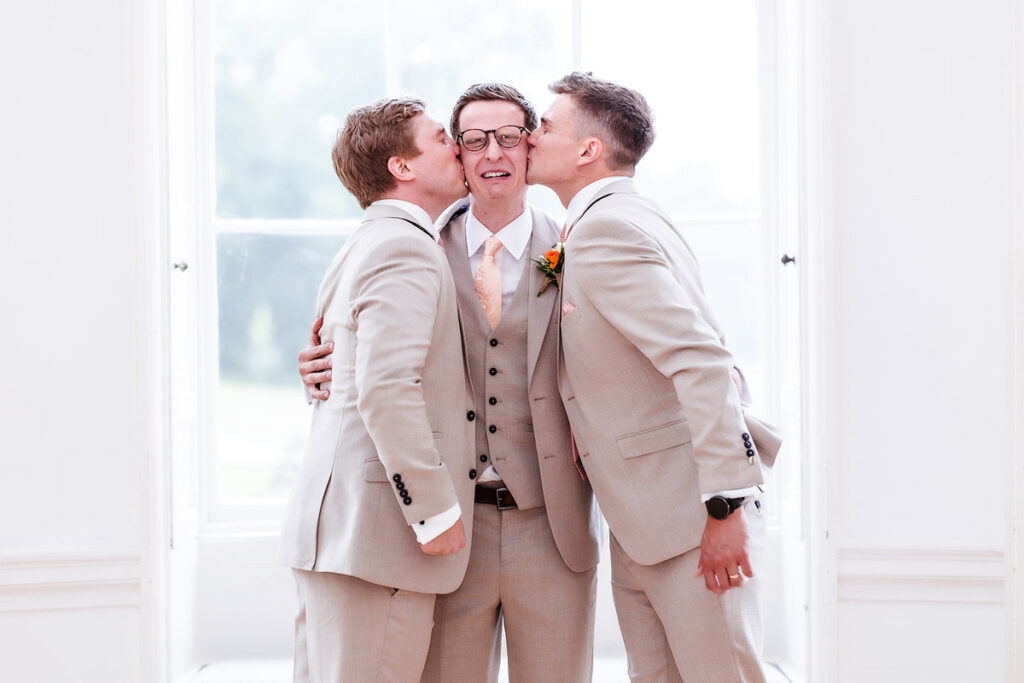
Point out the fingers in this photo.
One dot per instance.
(314, 336)
(724, 576)
(735, 577)
(311, 353)
(451, 541)
(449, 548)
(315, 366)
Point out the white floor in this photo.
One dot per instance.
(611, 670)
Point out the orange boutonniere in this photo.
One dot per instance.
(550, 263)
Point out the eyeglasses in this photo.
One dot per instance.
(508, 137)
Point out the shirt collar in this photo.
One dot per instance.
(582, 199)
(514, 237)
(417, 213)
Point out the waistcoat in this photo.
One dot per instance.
(498, 372)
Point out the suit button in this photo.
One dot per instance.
(397, 477)
(407, 500)
(483, 457)
(472, 474)
(750, 452)
(492, 429)
(746, 437)
(492, 401)
(494, 342)
(400, 486)
(492, 372)
(471, 416)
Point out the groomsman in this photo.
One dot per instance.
(534, 546)
(657, 420)
(375, 523)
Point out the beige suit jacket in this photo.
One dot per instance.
(569, 501)
(645, 378)
(397, 414)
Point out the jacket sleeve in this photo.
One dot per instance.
(395, 302)
(626, 276)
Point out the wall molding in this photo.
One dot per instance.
(921, 574)
(30, 583)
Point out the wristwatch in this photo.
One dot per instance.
(720, 507)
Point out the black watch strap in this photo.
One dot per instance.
(720, 507)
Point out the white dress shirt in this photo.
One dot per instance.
(514, 238)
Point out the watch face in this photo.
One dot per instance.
(718, 507)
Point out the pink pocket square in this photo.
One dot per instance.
(567, 308)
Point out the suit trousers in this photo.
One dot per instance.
(516, 576)
(676, 630)
(351, 631)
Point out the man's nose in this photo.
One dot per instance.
(493, 149)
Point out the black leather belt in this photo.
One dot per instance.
(501, 497)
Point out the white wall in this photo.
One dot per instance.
(72, 182)
(923, 199)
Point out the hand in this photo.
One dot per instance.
(723, 553)
(451, 541)
(315, 362)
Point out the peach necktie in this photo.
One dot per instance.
(488, 282)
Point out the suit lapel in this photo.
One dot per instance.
(624, 186)
(539, 312)
(454, 238)
(457, 262)
(379, 211)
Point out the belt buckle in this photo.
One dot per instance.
(497, 497)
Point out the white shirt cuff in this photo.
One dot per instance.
(432, 527)
(749, 492)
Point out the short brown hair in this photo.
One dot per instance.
(620, 116)
(493, 92)
(373, 134)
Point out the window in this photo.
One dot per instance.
(282, 75)
(260, 91)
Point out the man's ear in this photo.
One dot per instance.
(400, 169)
(592, 151)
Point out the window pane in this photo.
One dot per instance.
(696, 63)
(732, 270)
(267, 288)
(287, 73)
(526, 43)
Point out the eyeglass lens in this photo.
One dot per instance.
(507, 136)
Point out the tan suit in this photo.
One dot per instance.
(390, 447)
(532, 567)
(657, 420)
